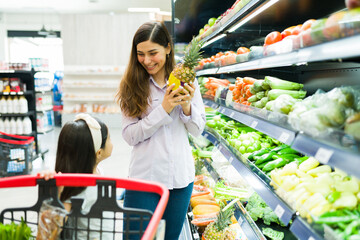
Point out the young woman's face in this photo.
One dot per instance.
(152, 56)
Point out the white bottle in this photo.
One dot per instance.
(10, 107)
(12, 126)
(2, 127)
(3, 105)
(16, 106)
(27, 128)
(19, 126)
(6, 125)
(23, 103)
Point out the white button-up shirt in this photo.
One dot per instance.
(161, 150)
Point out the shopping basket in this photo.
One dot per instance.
(15, 154)
(106, 203)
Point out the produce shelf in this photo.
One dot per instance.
(280, 133)
(336, 49)
(247, 224)
(302, 230)
(30, 113)
(281, 209)
(210, 103)
(233, 20)
(325, 153)
(206, 72)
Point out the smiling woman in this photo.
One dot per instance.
(156, 120)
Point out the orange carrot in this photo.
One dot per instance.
(249, 80)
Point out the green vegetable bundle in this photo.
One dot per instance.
(14, 231)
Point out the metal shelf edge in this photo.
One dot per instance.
(282, 134)
(303, 231)
(327, 154)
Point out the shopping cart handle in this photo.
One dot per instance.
(85, 180)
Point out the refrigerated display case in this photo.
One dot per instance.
(322, 57)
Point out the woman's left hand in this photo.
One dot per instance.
(189, 90)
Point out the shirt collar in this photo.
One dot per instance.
(155, 83)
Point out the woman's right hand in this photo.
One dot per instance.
(173, 98)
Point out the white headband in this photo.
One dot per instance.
(95, 129)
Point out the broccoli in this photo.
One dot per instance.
(257, 209)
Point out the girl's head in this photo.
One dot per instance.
(151, 54)
(82, 144)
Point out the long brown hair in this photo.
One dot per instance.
(134, 89)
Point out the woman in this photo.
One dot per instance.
(156, 121)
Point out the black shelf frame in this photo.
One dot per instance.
(26, 77)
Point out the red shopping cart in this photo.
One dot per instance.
(106, 203)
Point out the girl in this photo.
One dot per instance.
(82, 145)
(156, 122)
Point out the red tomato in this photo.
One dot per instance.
(242, 50)
(306, 25)
(273, 37)
(296, 30)
(287, 32)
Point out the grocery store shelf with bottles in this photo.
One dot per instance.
(281, 85)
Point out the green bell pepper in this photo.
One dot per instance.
(287, 151)
(277, 163)
(258, 153)
(301, 159)
(264, 158)
(279, 148)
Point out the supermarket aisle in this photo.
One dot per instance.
(116, 165)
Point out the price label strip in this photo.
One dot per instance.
(323, 155)
(232, 114)
(284, 137)
(254, 124)
(279, 211)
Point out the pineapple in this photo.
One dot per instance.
(184, 72)
(220, 229)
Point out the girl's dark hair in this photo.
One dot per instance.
(134, 91)
(76, 152)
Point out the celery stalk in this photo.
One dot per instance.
(276, 83)
(275, 93)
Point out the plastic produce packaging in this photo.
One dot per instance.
(322, 112)
(51, 219)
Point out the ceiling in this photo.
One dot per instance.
(79, 6)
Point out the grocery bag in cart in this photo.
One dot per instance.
(16, 153)
(105, 219)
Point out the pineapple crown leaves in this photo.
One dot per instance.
(224, 218)
(193, 54)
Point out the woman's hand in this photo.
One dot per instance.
(173, 98)
(189, 91)
(47, 174)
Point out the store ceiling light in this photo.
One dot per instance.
(43, 31)
(254, 14)
(143, 9)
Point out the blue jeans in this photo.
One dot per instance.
(174, 214)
